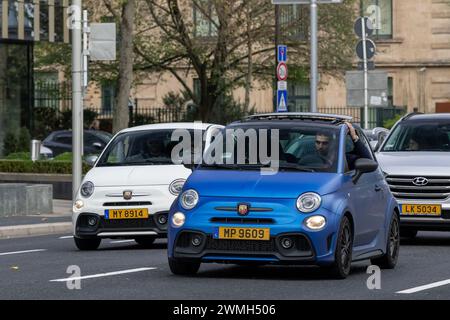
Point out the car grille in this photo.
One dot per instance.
(402, 187)
(127, 224)
(240, 245)
(127, 204)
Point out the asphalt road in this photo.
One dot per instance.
(36, 268)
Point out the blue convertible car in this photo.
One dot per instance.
(289, 188)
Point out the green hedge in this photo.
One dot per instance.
(44, 167)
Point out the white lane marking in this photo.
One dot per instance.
(66, 237)
(122, 241)
(22, 252)
(100, 275)
(426, 287)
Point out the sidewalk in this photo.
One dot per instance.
(59, 222)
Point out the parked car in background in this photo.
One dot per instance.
(61, 141)
(416, 161)
(376, 137)
(325, 205)
(129, 191)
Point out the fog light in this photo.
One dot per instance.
(196, 240)
(78, 205)
(287, 243)
(178, 219)
(162, 219)
(316, 223)
(92, 221)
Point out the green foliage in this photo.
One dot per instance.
(24, 140)
(19, 156)
(17, 141)
(67, 156)
(388, 124)
(228, 110)
(43, 167)
(10, 143)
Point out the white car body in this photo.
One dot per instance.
(149, 185)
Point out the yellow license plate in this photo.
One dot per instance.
(116, 214)
(242, 234)
(421, 210)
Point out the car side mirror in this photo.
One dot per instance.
(363, 166)
(91, 160)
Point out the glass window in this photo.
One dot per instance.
(420, 136)
(380, 11)
(29, 8)
(59, 21)
(294, 21)
(302, 148)
(13, 18)
(299, 97)
(108, 97)
(140, 148)
(204, 12)
(391, 92)
(44, 20)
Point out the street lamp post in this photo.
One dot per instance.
(277, 42)
(314, 56)
(77, 95)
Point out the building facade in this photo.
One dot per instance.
(22, 23)
(413, 46)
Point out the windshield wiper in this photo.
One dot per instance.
(296, 167)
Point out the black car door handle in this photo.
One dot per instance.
(377, 188)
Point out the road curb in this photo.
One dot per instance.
(31, 230)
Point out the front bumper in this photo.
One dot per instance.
(426, 223)
(310, 247)
(132, 228)
(224, 251)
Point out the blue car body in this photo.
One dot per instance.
(368, 204)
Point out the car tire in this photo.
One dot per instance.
(340, 269)
(183, 268)
(87, 244)
(408, 233)
(146, 242)
(390, 258)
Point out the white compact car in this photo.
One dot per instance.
(133, 183)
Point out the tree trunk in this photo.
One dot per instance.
(121, 116)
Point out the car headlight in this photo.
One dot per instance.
(176, 186)
(87, 189)
(178, 220)
(316, 223)
(309, 202)
(189, 199)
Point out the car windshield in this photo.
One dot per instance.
(420, 137)
(141, 148)
(307, 149)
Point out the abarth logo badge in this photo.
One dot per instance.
(127, 195)
(243, 209)
(420, 181)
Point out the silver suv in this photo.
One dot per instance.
(416, 160)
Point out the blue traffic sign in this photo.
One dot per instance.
(282, 53)
(282, 101)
